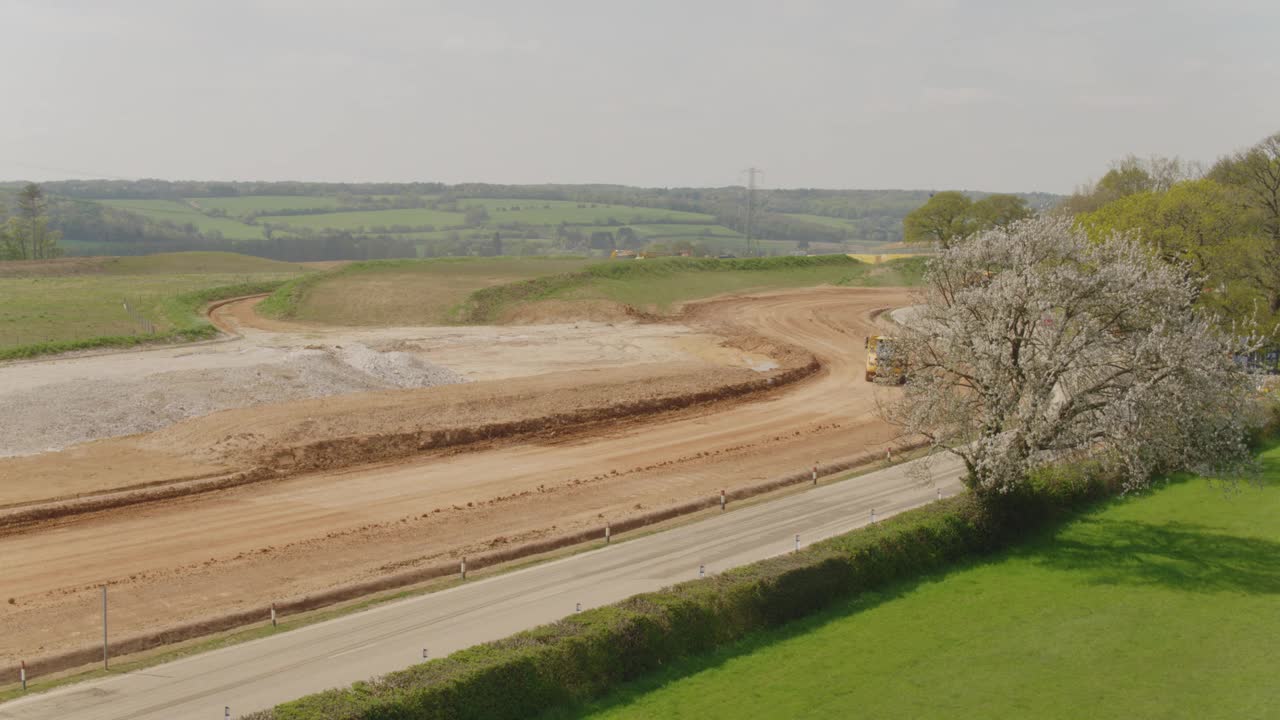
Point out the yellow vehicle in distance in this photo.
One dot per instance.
(883, 360)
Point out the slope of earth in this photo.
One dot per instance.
(206, 554)
(79, 299)
(1157, 606)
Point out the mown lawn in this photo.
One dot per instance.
(1165, 605)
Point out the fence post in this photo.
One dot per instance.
(105, 654)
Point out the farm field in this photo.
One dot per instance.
(406, 292)
(554, 212)
(173, 211)
(1162, 605)
(264, 203)
(823, 220)
(80, 299)
(368, 219)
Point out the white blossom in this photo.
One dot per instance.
(1034, 345)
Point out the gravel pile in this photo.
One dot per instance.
(59, 415)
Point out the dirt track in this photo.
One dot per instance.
(179, 560)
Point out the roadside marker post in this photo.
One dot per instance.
(226, 712)
(23, 674)
(608, 531)
(424, 653)
(702, 570)
(797, 542)
(888, 454)
(722, 500)
(105, 654)
(873, 515)
(939, 493)
(815, 472)
(462, 567)
(273, 614)
(577, 608)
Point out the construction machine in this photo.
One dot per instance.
(883, 360)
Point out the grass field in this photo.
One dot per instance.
(182, 214)
(823, 220)
(405, 292)
(264, 203)
(84, 299)
(1158, 606)
(554, 212)
(368, 219)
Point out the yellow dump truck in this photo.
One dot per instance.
(883, 360)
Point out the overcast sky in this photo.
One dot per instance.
(1000, 96)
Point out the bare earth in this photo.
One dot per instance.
(179, 560)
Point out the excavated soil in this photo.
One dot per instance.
(191, 557)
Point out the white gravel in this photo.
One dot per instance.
(55, 415)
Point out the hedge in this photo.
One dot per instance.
(587, 654)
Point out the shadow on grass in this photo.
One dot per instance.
(1180, 556)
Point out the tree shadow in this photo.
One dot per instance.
(1181, 556)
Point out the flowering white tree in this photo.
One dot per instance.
(1035, 344)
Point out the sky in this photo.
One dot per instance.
(921, 94)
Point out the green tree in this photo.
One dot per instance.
(627, 238)
(1198, 224)
(1256, 172)
(999, 211)
(945, 218)
(27, 235)
(476, 215)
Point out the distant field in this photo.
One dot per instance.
(1163, 606)
(405, 292)
(554, 212)
(831, 222)
(79, 299)
(369, 219)
(264, 203)
(182, 214)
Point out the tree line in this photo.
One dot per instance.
(26, 234)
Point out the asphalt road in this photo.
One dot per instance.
(262, 673)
